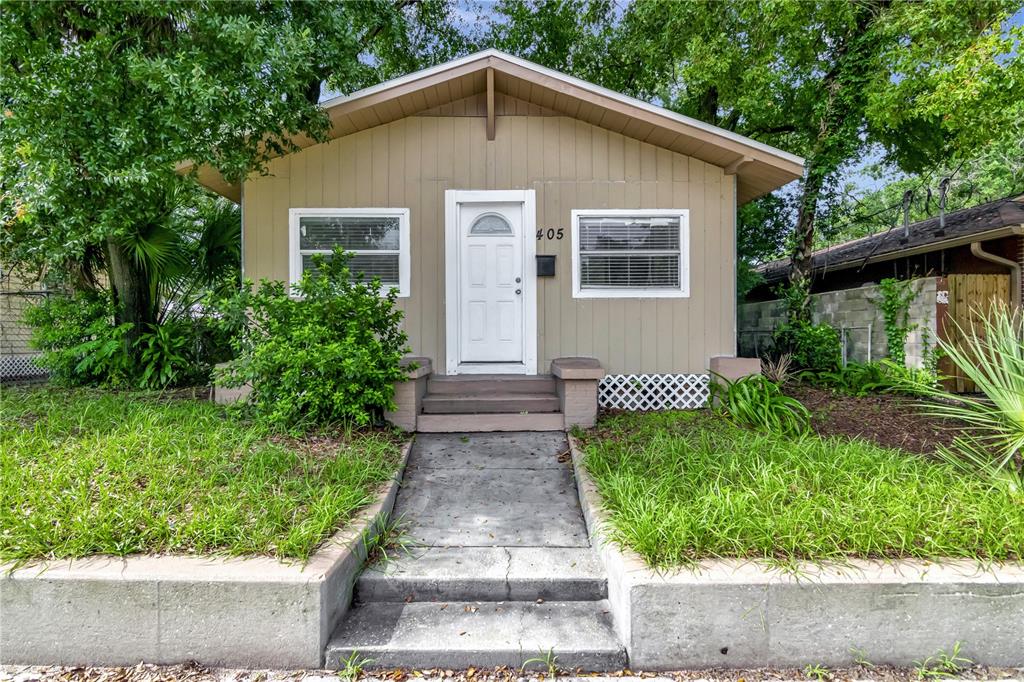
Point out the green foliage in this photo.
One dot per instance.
(992, 356)
(860, 379)
(897, 295)
(680, 487)
(165, 356)
(996, 171)
(103, 100)
(942, 665)
(746, 278)
(80, 345)
(812, 346)
(330, 353)
(755, 401)
(86, 472)
(923, 82)
(795, 297)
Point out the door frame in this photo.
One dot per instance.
(453, 269)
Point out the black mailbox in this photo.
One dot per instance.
(545, 266)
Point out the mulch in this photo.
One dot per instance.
(890, 420)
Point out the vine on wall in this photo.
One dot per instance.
(897, 295)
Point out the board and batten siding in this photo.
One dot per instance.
(409, 163)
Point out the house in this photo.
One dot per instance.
(526, 217)
(984, 239)
(960, 264)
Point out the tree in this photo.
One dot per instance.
(101, 100)
(926, 81)
(997, 171)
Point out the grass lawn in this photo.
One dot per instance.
(684, 486)
(88, 472)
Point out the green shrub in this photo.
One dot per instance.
(860, 379)
(331, 353)
(755, 401)
(79, 343)
(82, 346)
(812, 346)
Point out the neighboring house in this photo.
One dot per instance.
(961, 262)
(985, 239)
(524, 216)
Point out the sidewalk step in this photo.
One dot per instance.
(477, 423)
(485, 574)
(490, 383)
(474, 403)
(460, 635)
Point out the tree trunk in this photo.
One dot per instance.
(804, 232)
(133, 300)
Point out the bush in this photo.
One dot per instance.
(812, 346)
(81, 345)
(860, 379)
(992, 356)
(755, 401)
(330, 354)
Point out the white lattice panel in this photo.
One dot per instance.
(644, 392)
(19, 366)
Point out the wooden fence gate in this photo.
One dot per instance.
(970, 298)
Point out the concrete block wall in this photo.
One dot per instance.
(853, 309)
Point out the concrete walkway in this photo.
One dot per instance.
(499, 568)
(491, 490)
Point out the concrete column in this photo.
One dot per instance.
(222, 395)
(576, 383)
(409, 394)
(725, 367)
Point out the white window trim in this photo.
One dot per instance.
(404, 262)
(634, 292)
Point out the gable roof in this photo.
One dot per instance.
(760, 168)
(985, 221)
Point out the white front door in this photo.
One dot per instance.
(494, 294)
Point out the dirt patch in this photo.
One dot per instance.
(195, 673)
(890, 420)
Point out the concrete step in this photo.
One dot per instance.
(491, 383)
(474, 403)
(478, 423)
(461, 635)
(485, 574)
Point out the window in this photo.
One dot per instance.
(490, 223)
(378, 238)
(630, 254)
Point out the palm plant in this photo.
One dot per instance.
(991, 354)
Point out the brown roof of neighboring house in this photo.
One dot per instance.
(760, 168)
(986, 221)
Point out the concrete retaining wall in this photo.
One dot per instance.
(742, 614)
(853, 309)
(236, 613)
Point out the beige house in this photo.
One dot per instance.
(524, 216)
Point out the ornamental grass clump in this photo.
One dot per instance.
(759, 403)
(991, 354)
(328, 351)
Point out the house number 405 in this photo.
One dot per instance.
(550, 233)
